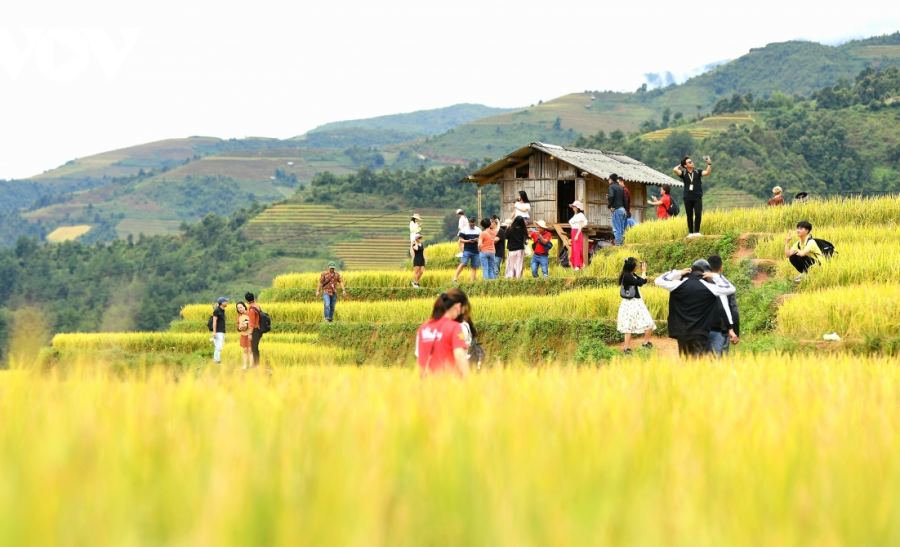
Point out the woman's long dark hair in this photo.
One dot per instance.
(630, 265)
(466, 318)
(241, 303)
(447, 300)
(518, 224)
(524, 196)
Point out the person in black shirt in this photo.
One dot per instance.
(218, 328)
(616, 203)
(417, 250)
(693, 192)
(516, 235)
(500, 244)
(726, 332)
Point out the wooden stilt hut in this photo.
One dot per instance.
(554, 176)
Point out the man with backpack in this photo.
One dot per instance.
(259, 324)
(666, 204)
(805, 252)
(217, 327)
(328, 287)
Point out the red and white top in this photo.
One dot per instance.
(435, 343)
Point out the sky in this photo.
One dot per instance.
(82, 77)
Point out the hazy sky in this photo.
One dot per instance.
(86, 76)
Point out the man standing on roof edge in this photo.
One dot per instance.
(616, 203)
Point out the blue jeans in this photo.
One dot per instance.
(718, 343)
(469, 259)
(497, 262)
(488, 270)
(618, 222)
(543, 261)
(330, 302)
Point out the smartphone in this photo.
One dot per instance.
(643, 265)
(706, 159)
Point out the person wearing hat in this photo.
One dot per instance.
(578, 223)
(417, 252)
(777, 200)
(415, 224)
(218, 328)
(462, 223)
(541, 257)
(468, 238)
(328, 282)
(694, 305)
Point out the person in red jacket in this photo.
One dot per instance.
(440, 342)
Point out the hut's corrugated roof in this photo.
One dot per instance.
(600, 163)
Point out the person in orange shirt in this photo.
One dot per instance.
(253, 310)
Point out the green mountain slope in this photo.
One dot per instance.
(422, 122)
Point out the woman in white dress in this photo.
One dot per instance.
(522, 207)
(578, 223)
(634, 317)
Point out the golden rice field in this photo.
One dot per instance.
(848, 212)
(67, 233)
(774, 450)
(852, 312)
(136, 342)
(576, 304)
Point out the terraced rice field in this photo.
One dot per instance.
(702, 129)
(67, 233)
(287, 225)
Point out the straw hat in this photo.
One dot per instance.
(542, 224)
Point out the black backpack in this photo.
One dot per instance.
(209, 324)
(265, 322)
(826, 247)
(673, 209)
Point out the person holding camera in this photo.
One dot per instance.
(693, 192)
(634, 317)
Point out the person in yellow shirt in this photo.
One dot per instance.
(804, 252)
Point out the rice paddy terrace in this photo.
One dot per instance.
(376, 321)
(358, 240)
(704, 128)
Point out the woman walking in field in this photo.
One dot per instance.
(634, 317)
(516, 235)
(243, 327)
(578, 223)
(417, 251)
(440, 342)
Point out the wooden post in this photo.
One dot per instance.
(479, 206)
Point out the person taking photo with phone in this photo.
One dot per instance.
(693, 192)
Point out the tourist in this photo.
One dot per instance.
(578, 222)
(218, 328)
(693, 192)
(777, 199)
(725, 332)
(805, 252)
(474, 352)
(500, 245)
(515, 247)
(542, 244)
(256, 334)
(616, 203)
(440, 341)
(462, 223)
(328, 282)
(243, 327)
(663, 203)
(522, 207)
(634, 317)
(417, 251)
(627, 201)
(415, 224)
(693, 305)
(486, 250)
(468, 238)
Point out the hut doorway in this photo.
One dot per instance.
(565, 195)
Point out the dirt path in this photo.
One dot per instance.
(666, 347)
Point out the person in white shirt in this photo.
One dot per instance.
(578, 224)
(415, 224)
(522, 207)
(463, 223)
